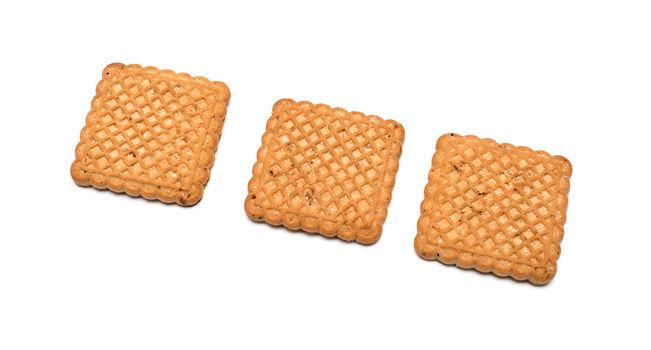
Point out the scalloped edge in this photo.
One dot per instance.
(311, 224)
(487, 264)
(133, 188)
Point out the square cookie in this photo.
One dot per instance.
(325, 170)
(151, 133)
(495, 208)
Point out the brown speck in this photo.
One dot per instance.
(308, 195)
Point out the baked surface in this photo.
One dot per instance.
(325, 170)
(495, 208)
(151, 133)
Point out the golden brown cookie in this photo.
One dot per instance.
(495, 208)
(325, 170)
(151, 133)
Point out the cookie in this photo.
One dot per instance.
(151, 133)
(325, 170)
(495, 208)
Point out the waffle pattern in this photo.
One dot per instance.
(151, 133)
(495, 208)
(325, 170)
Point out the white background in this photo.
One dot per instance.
(85, 269)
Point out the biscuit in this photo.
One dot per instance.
(151, 133)
(325, 170)
(495, 208)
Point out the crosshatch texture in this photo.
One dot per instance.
(495, 208)
(151, 133)
(325, 170)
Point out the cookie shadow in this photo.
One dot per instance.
(489, 274)
(310, 235)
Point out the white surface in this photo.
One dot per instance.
(84, 269)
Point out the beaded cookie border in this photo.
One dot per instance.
(296, 221)
(134, 188)
(539, 275)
